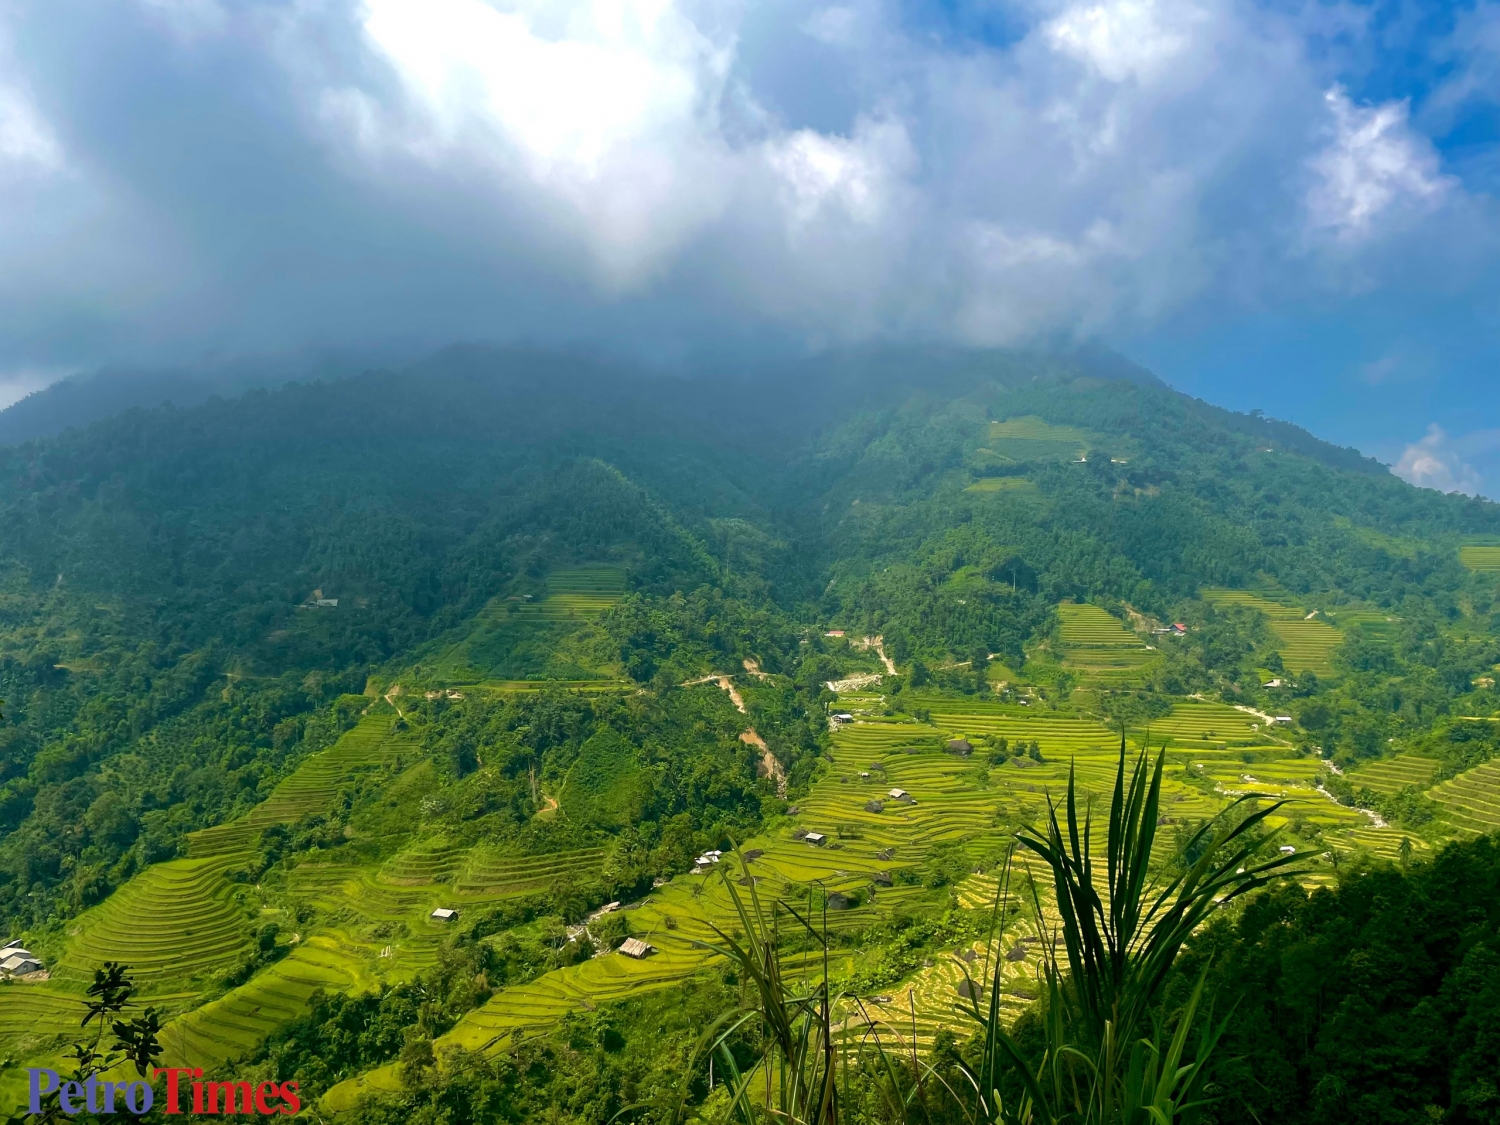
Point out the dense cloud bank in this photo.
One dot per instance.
(190, 177)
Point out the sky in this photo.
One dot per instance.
(1280, 206)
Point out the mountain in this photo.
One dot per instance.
(521, 634)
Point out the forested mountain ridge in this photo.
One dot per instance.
(493, 584)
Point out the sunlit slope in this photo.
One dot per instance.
(964, 802)
(179, 925)
(1098, 648)
(1307, 644)
(1391, 775)
(520, 638)
(1471, 801)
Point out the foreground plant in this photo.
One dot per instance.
(1111, 1056)
(809, 1054)
(134, 1041)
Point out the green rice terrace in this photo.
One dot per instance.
(1019, 440)
(1307, 642)
(1098, 648)
(1480, 558)
(521, 639)
(893, 796)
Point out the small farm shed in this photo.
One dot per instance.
(960, 746)
(817, 839)
(903, 796)
(443, 914)
(635, 947)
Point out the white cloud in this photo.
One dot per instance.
(1433, 463)
(26, 141)
(1374, 164)
(855, 175)
(830, 169)
(1127, 39)
(606, 109)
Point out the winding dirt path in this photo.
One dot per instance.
(725, 683)
(878, 644)
(769, 766)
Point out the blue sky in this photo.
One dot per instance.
(1282, 206)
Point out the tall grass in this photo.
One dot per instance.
(1112, 1056)
(809, 1053)
(1109, 1055)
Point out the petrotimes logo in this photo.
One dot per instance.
(98, 1096)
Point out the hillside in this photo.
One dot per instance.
(523, 635)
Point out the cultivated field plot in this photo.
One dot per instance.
(181, 923)
(1471, 801)
(1031, 439)
(1395, 774)
(1307, 644)
(1372, 621)
(516, 639)
(1019, 485)
(1480, 558)
(876, 854)
(1097, 646)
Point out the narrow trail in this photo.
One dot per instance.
(753, 668)
(725, 683)
(390, 697)
(769, 766)
(1263, 717)
(878, 644)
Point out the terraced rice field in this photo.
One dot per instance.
(514, 633)
(1479, 558)
(1307, 645)
(1031, 439)
(175, 925)
(311, 788)
(958, 801)
(487, 873)
(1471, 801)
(178, 924)
(230, 1027)
(1001, 484)
(1372, 621)
(1395, 774)
(1098, 647)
